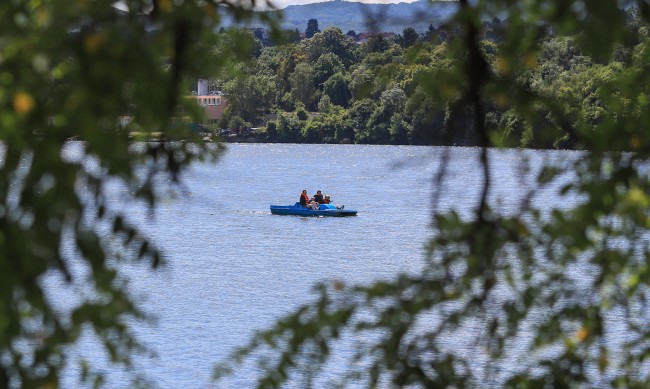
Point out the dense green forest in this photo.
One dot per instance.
(332, 89)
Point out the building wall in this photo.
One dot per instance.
(213, 106)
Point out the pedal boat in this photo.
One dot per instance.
(323, 210)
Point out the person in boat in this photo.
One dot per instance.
(328, 200)
(306, 202)
(318, 197)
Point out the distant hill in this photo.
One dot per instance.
(363, 17)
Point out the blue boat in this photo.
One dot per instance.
(323, 210)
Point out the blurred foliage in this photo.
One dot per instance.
(546, 291)
(552, 295)
(69, 70)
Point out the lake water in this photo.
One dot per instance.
(234, 268)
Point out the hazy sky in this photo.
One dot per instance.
(284, 3)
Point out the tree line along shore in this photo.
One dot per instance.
(329, 87)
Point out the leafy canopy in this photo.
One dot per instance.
(69, 70)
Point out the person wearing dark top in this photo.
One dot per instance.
(318, 197)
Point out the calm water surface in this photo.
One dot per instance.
(235, 268)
